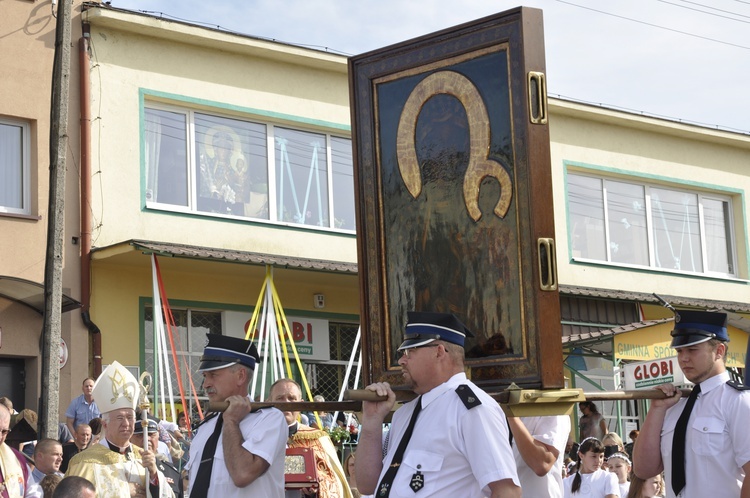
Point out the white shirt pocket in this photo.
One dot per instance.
(220, 474)
(426, 463)
(667, 434)
(709, 436)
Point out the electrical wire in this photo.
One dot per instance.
(707, 13)
(686, 33)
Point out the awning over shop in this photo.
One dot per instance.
(649, 340)
(652, 342)
(226, 255)
(31, 294)
(643, 297)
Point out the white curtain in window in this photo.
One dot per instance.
(11, 166)
(628, 235)
(586, 211)
(718, 235)
(153, 151)
(302, 167)
(343, 183)
(677, 241)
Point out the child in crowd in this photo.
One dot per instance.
(351, 478)
(620, 465)
(612, 444)
(590, 481)
(646, 488)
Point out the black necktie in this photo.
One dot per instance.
(678, 443)
(510, 433)
(203, 478)
(384, 488)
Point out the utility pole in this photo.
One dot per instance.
(49, 404)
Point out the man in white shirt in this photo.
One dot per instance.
(539, 447)
(716, 451)
(240, 452)
(452, 440)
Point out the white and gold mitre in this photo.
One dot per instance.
(116, 388)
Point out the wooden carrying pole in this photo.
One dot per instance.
(502, 397)
(354, 397)
(630, 395)
(297, 406)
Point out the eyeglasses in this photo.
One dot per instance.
(405, 352)
(4, 432)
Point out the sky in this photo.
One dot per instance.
(675, 59)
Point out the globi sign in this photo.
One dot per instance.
(647, 374)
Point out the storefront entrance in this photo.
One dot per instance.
(13, 381)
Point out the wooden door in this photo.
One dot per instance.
(454, 197)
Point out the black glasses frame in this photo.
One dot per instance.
(405, 352)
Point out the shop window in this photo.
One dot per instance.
(189, 340)
(191, 327)
(326, 378)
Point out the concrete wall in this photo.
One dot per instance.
(28, 39)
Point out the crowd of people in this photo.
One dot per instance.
(48, 464)
(688, 448)
(452, 440)
(601, 466)
(598, 469)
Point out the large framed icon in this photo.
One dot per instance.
(454, 197)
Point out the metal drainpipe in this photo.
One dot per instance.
(84, 61)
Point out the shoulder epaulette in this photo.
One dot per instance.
(165, 466)
(205, 419)
(738, 386)
(467, 396)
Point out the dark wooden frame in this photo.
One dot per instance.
(475, 61)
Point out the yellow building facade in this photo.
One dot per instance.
(228, 156)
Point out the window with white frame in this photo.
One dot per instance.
(14, 167)
(326, 378)
(634, 223)
(207, 163)
(189, 339)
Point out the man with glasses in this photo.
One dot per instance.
(450, 441)
(163, 459)
(15, 475)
